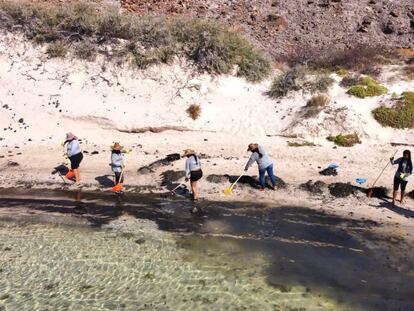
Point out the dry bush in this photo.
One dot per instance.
(212, 47)
(409, 71)
(57, 49)
(194, 111)
(360, 58)
(322, 83)
(315, 105)
(291, 80)
(350, 80)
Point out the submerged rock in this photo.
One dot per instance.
(341, 190)
(315, 188)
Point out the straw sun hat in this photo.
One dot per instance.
(117, 147)
(188, 152)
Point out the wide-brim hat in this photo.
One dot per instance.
(188, 152)
(70, 136)
(252, 146)
(117, 147)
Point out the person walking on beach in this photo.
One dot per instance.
(193, 171)
(117, 165)
(74, 153)
(405, 169)
(264, 163)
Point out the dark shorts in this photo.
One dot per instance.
(196, 175)
(398, 182)
(75, 160)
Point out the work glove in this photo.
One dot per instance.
(402, 175)
(126, 150)
(62, 143)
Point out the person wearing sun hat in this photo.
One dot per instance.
(74, 153)
(193, 171)
(264, 163)
(118, 165)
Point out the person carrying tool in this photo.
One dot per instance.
(193, 171)
(264, 163)
(405, 169)
(74, 153)
(118, 165)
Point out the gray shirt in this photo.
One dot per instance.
(73, 148)
(404, 168)
(117, 161)
(192, 165)
(262, 162)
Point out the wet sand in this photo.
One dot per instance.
(303, 252)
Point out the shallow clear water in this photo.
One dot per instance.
(55, 268)
(226, 258)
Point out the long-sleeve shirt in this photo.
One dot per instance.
(404, 168)
(73, 148)
(192, 165)
(117, 161)
(262, 162)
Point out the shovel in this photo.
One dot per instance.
(371, 190)
(229, 191)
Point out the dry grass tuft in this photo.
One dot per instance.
(194, 111)
(315, 105)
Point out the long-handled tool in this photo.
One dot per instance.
(229, 191)
(173, 190)
(118, 187)
(371, 190)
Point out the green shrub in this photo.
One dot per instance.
(149, 40)
(301, 144)
(290, 80)
(322, 83)
(367, 87)
(345, 140)
(400, 116)
(57, 49)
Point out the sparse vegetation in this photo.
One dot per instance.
(361, 59)
(367, 87)
(194, 111)
(57, 49)
(400, 116)
(409, 72)
(345, 140)
(289, 81)
(86, 50)
(144, 41)
(350, 80)
(315, 105)
(301, 144)
(300, 78)
(321, 83)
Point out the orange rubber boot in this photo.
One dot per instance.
(70, 175)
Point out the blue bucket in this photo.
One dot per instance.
(361, 181)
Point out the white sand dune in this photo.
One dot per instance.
(101, 102)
